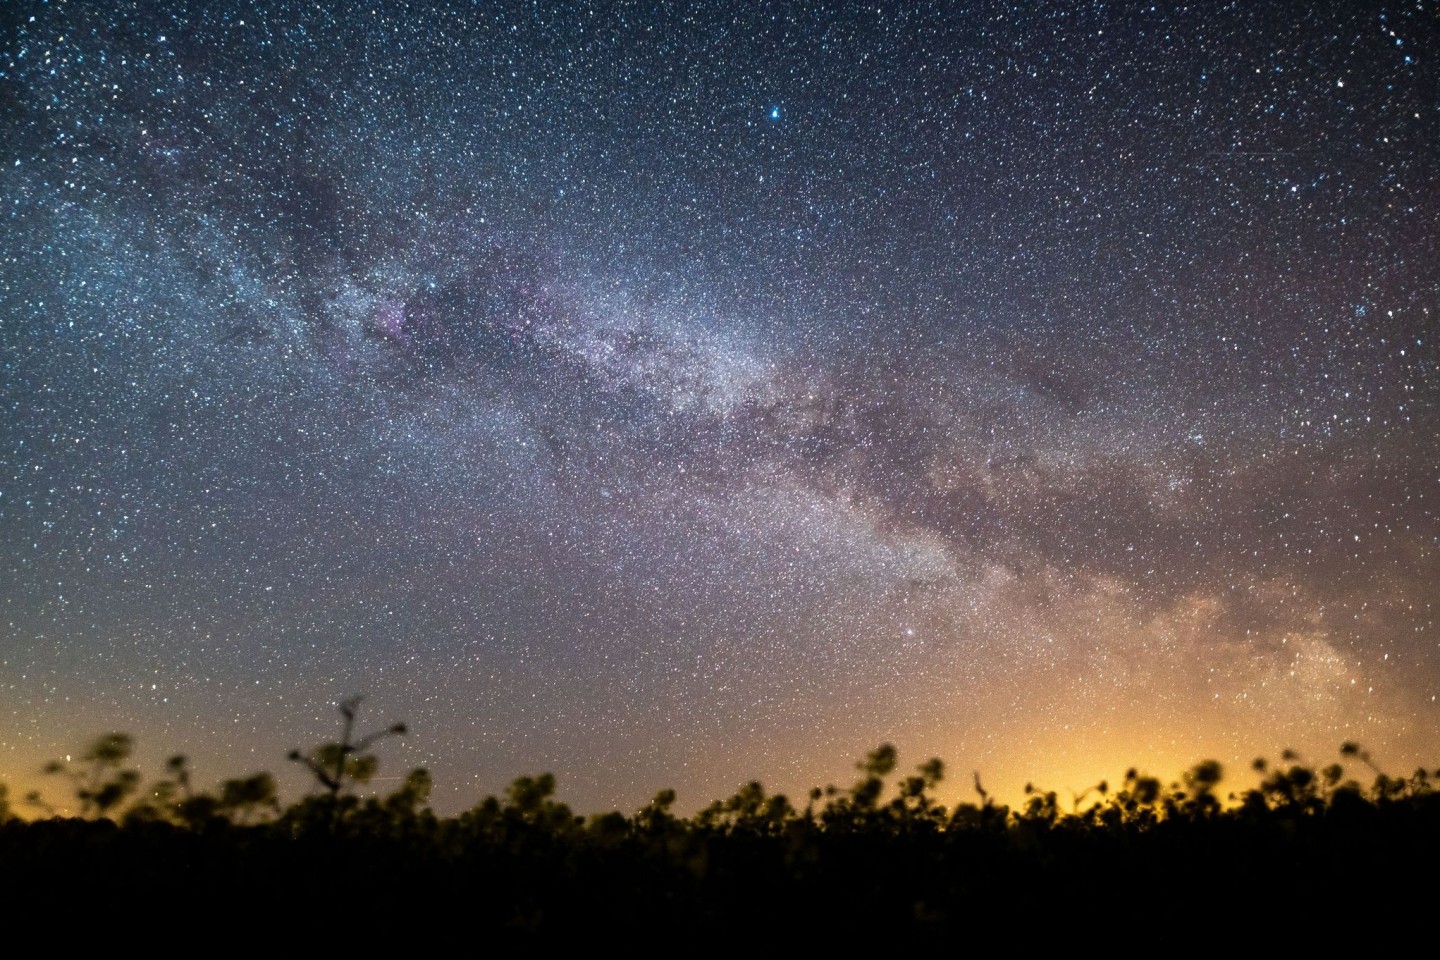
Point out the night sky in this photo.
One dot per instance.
(671, 396)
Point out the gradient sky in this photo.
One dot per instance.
(669, 396)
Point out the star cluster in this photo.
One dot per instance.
(671, 395)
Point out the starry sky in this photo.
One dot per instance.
(670, 395)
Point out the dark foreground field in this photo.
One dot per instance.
(1305, 856)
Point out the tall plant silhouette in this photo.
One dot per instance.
(339, 765)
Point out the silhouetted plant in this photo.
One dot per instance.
(914, 801)
(1101, 789)
(1041, 808)
(35, 801)
(749, 809)
(1200, 783)
(876, 766)
(101, 784)
(413, 793)
(529, 795)
(340, 765)
(173, 799)
(243, 798)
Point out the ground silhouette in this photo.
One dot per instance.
(878, 858)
